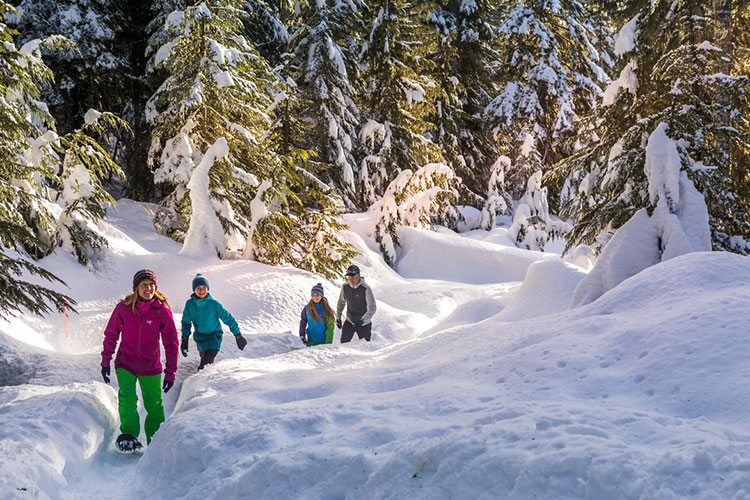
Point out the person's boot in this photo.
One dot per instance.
(128, 443)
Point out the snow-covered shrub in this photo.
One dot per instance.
(416, 199)
(532, 225)
(495, 202)
(675, 223)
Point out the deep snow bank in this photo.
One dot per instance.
(642, 394)
(443, 255)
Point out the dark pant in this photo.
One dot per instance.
(207, 357)
(348, 329)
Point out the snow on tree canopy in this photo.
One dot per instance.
(677, 225)
(91, 116)
(205, 235)
(663, 168)
(627, 37)
(627, 80)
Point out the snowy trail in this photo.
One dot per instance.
(475, 385)
(408, 307)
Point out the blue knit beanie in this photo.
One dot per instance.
(200, 280)
(317, 289)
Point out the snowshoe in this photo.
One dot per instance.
(128, 443)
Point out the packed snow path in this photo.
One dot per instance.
(475, 385)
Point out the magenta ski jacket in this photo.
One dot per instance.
(139, 336)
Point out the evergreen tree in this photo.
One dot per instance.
(673, 73)
(555, 59)
(20, 79)
(88, 75)
(233, 188)
(397, 94)
(264, 29)
(532, 225)
(415, 199)
(325, 68)
(215, 86)
(463, 70)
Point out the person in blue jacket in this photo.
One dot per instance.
(204, 312)
(317, 319)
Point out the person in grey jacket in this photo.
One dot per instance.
(359, 300)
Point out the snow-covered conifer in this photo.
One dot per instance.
(672, 71)
(398, 94)
(84, 165)
(88, 75)
(415, 199)
(532, 225)
(462, 71)
(264, 29)
(552, 66)
(325, 68)
(215, 86)
(497, 200)
(675, 223)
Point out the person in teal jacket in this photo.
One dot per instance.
(317, 319)
(204, 312)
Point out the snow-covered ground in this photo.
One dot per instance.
(480, 381)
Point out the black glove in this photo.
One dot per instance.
(241, 342)
(105, 374)
(184, 346)
(167, 385)
(303, 338)
(338, 322)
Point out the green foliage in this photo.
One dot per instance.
(414, 199)
(215, 85)
(681, 83)
(324, 65)
(298, 224)
(553, 62)
(84, 167)
(399, 93)
(19, 295)
(463, 72)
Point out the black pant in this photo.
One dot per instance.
(207, 357)
(348, 329)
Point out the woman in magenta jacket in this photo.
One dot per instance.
(139, 322)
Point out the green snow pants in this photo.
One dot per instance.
(130, 422)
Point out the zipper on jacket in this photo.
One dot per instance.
(138, 353)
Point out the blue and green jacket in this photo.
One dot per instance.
(317, 332)
(205, 314)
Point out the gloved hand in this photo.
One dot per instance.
(105, 374)
(338, 322)
(184, 346)
(362, 321)
(303, 338)
(167, 385)
(241, 342)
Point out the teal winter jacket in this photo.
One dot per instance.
(205, 314)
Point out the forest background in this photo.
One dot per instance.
(253, 125)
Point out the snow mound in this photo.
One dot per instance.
(642, 393)
(547, 289)
(49, 433)
(442, 256)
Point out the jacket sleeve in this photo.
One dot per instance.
(228, 319)
(111, 336)
(371, 305)
(341, 303)
(171, 345)
(187, 321)
(303, 322)
(329, 331)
